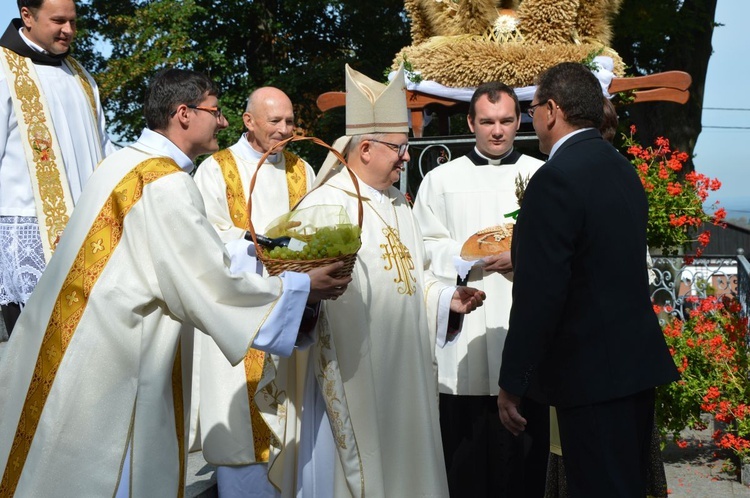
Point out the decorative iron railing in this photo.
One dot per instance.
(673, 280)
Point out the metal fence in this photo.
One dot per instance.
(427, 153)
(674, 280)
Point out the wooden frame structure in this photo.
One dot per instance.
(669, 86)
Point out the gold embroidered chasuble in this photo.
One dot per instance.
(100, 355)
(237, 206)
(226, 392)
(373, 362)
(53, 199)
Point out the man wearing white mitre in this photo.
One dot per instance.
(361, 418)
(96, 384)
(233, 435)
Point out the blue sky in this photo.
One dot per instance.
(719, 152)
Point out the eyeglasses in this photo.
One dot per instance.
(532, 108)
(400, 149)
(216, 111)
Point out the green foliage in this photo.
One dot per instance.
(298, 46)
(589, 60)
(301, 46)
(408, 68)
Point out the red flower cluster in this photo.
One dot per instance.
(731, 442)
(712, 354)
(675, 199)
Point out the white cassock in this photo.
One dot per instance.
(225, 421)
(83, 143)
(369, 409)
(98, 371)
(454, 201)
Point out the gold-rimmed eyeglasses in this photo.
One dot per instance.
(216, 111)
(400, 149)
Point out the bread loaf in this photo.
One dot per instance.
(486, 242)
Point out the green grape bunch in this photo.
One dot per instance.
(326, 242)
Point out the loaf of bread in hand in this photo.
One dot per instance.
(488, 241)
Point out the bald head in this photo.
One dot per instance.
(269, 118)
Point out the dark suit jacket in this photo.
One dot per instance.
(582, 326)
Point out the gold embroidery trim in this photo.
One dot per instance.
(179, 416)
(253, 358)
(92, 258)
(332, 388)
(53, 201)
(296, 177)
(235, 195)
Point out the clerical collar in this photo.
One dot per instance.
(24, 47)
(249, 152)
(161, 145)
(480, 160)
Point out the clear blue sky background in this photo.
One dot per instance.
(720, 150)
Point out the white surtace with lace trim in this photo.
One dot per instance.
(21, 258)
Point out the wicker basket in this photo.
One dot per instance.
(277, 266)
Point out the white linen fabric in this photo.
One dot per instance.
(455, 200)
(373, 363)
(113, 388)
(604, 73)
(83, 142)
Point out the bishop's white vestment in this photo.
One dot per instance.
(100, 369)
(370, 372)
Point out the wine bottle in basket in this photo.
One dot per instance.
(269, 243)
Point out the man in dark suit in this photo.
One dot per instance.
(583, 335)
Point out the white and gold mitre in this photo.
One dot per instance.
(372, 107)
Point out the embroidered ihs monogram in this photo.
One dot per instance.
(396, 255)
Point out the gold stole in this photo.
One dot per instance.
(92, 258)
(45, 160)
(296, 180)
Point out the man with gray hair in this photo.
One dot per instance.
(97, 384)
(52, 135)
(361, 417)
